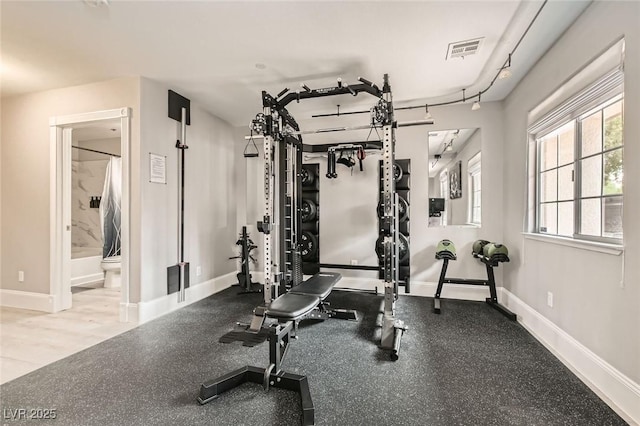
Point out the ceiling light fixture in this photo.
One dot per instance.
(476, 104)
(427, 115)
(505, 72)
(96, 3)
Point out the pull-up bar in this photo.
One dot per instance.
(345, 129)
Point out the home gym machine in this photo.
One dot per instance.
(287, 299)
(490, 254)
(283, 194)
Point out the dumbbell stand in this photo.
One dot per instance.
(490, 282)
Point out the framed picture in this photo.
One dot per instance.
(455, 181)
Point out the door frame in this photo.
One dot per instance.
(61, 128)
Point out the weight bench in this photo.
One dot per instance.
(320, 285)
(490, 254)
(288, 309)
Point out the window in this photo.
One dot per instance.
(579, 165)
(444, 184)
(475, 188)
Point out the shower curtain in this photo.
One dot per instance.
(110, 208)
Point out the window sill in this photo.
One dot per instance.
(613, 249)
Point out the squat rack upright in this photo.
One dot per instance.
(282, 144)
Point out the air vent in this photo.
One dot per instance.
(464, 48)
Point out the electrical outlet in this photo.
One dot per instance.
(21, 276)
(354, 261)
(550, 299)
(198, 271)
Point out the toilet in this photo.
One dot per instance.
(111, 268)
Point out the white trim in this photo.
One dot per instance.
(66, 120)
(128, 312)
(613, 249)
(152, 309)
(620, 392)
(87, 279)
(60, 187)
(27, 300)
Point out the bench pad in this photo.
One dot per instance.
(319, 285)
(291, 306)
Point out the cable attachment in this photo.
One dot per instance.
(250, 152)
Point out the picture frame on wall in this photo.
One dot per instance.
(455, 181)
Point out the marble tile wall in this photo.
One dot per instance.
(87, 180)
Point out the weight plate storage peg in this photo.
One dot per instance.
(309, 210)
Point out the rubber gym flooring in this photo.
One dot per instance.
(467, 366)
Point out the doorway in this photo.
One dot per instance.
(77, 229)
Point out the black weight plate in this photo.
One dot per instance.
(403, 209)
(308, 245)
(307, 176)
(309, 210)
(403, 247)
(397, 172)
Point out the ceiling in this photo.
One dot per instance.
(223, 54)
(97, 130)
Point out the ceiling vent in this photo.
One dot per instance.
(464, 48)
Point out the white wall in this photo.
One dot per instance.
(26, 164)
(210, 197)
(596, 295)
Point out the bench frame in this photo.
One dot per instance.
(279, 337)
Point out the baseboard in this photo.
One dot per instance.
(152, 309)
(27, 300)
(620, 392)
(128, 312)
(87, 279)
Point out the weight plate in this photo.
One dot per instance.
(478, 246)
(403, 247)
(309, 210)
(308, 245)
(307, 177)
(397, 172)
(403, 209)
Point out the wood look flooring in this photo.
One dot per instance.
(30, 340)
